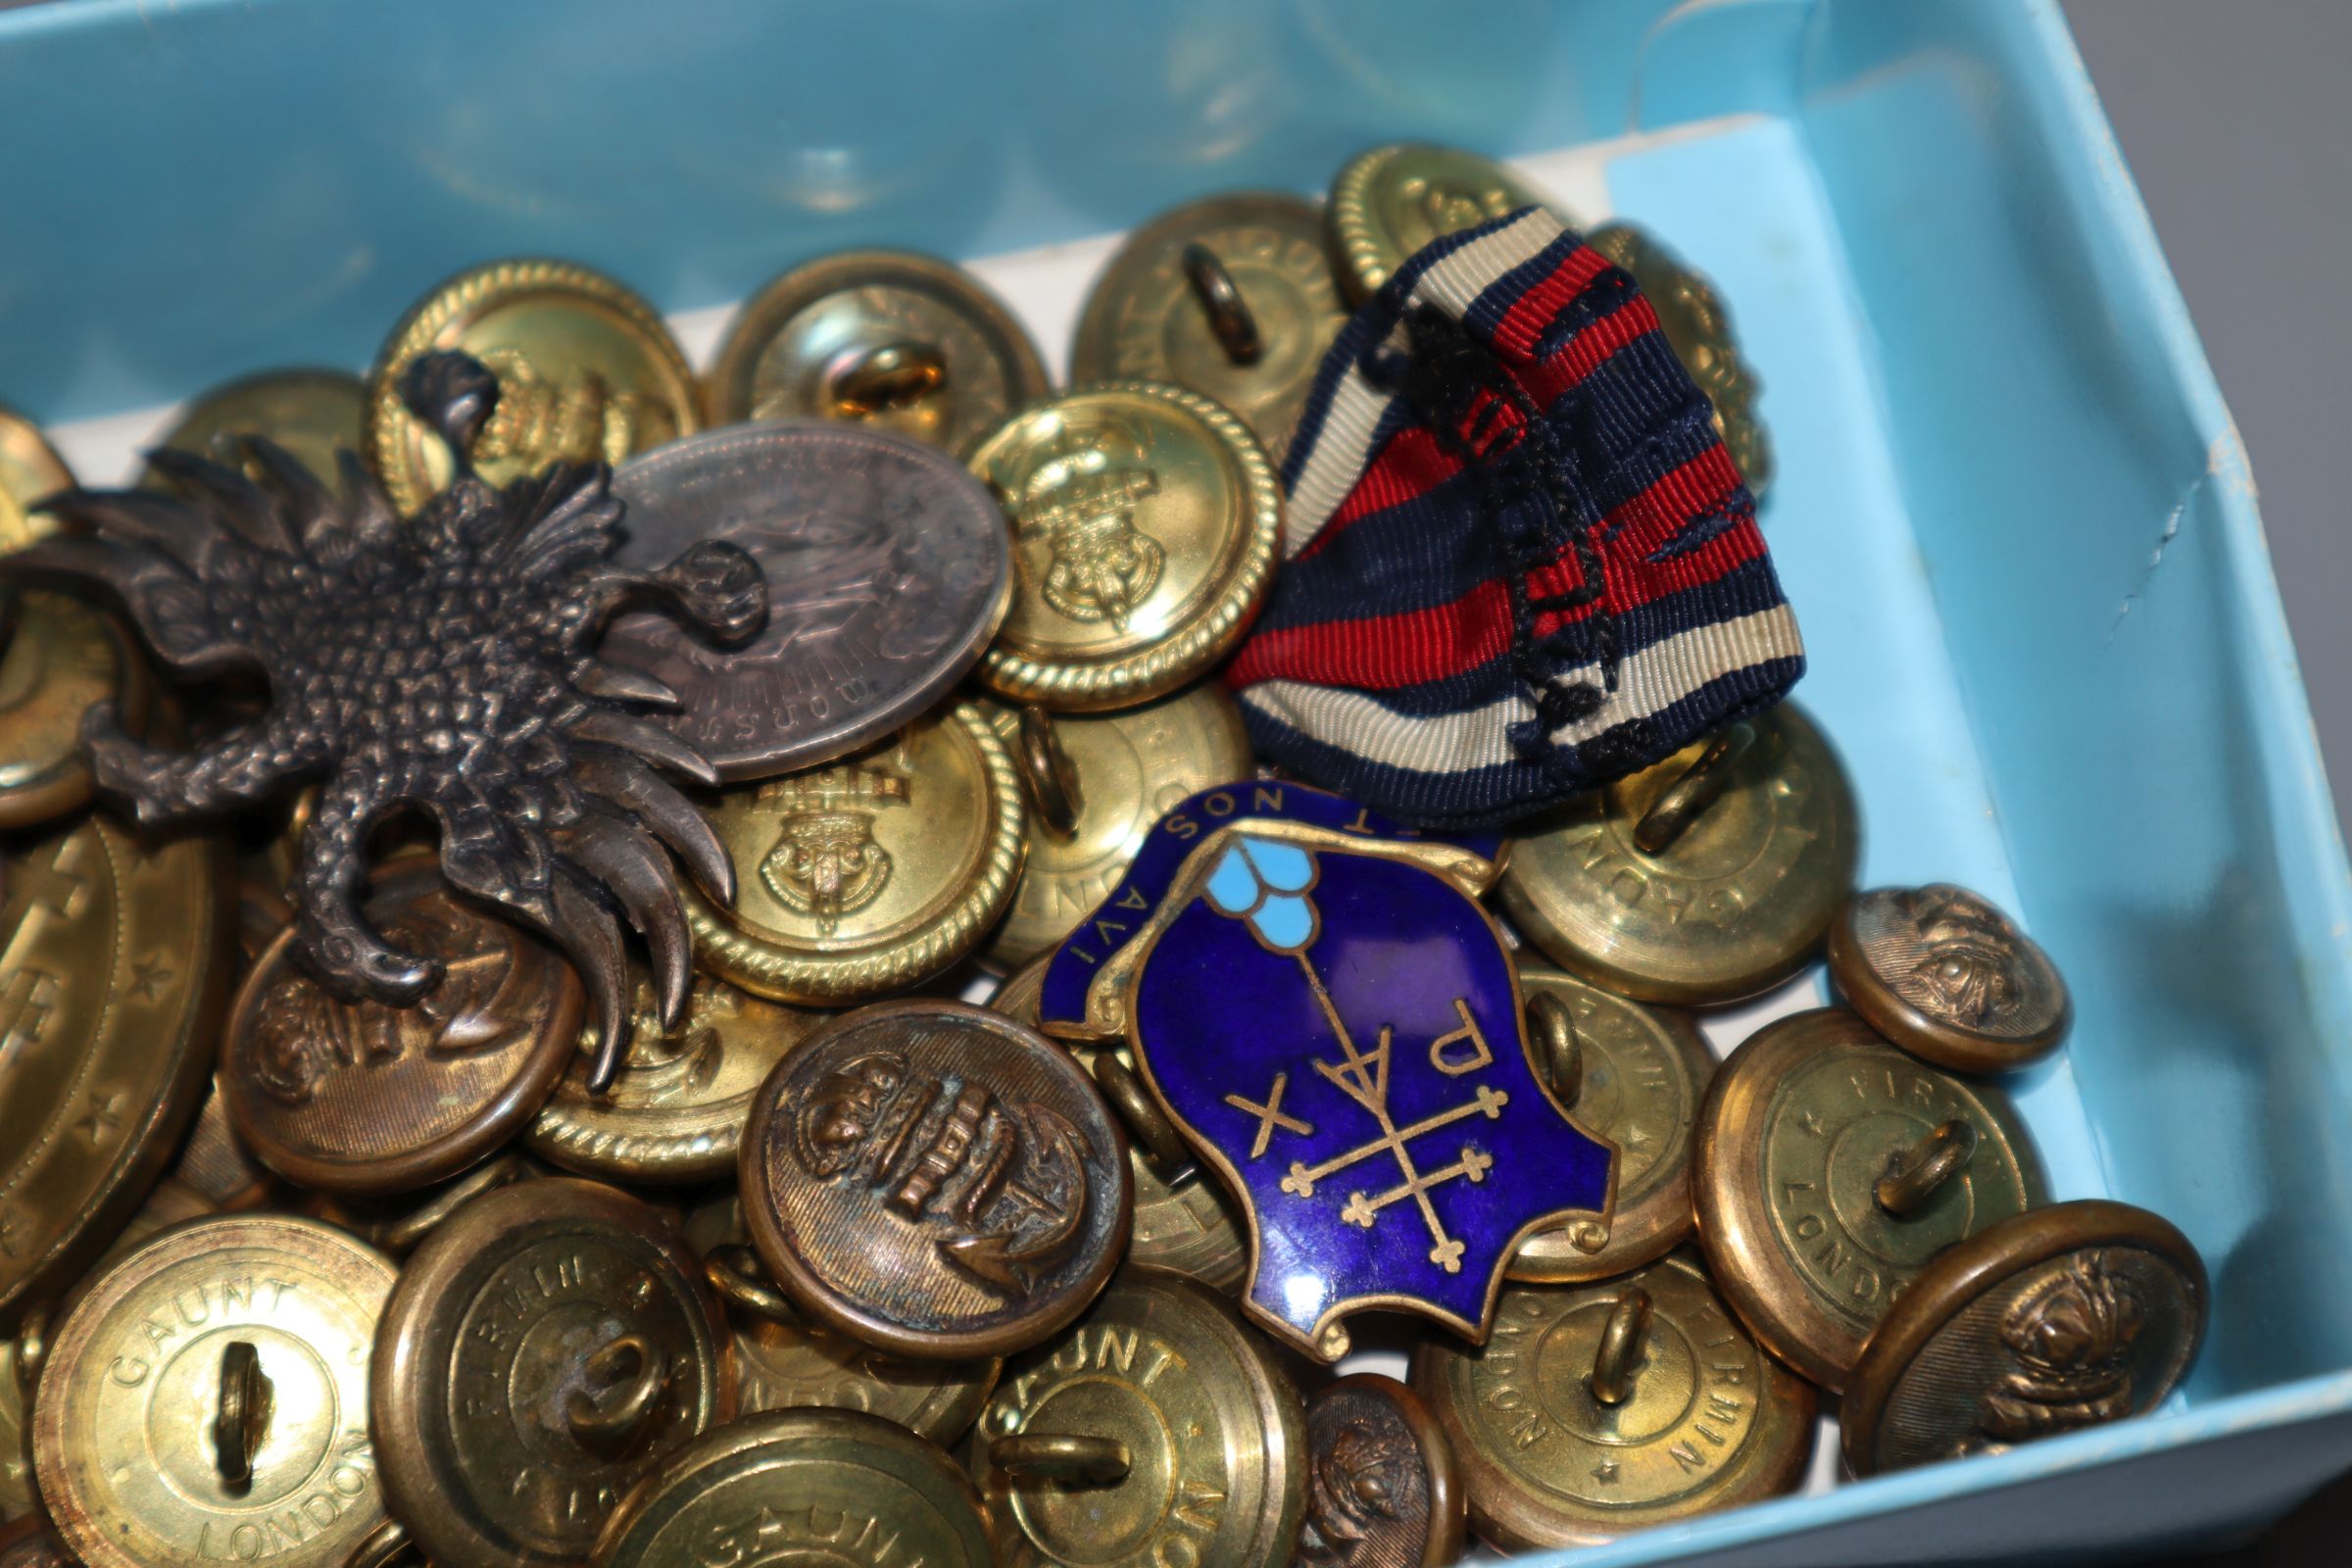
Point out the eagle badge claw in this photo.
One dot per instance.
(441, 660)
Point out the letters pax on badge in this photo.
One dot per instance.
(1333, 1022)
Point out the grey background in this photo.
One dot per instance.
(2236, 120)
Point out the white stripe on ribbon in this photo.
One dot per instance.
(1343, 441)
(1648, 682)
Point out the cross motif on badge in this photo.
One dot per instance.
(1365, 1079)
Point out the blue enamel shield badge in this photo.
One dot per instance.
(1335, 1024)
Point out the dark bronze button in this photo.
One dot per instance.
(1698, 329)
(1633, 1075)
(1158, 1430)
(29, 1542)
(934, 1180)
(1381, 1486)
(1595, 1410)
(2071, 1316)
(908, 342)
(1232, 296)
(1950, 978)
(1830, 1167)
(817, 1488)
(1704, 879)
(543, 1348)
(364, 1097)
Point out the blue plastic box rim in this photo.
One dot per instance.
(2013, 512)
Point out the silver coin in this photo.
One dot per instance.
(888, 567)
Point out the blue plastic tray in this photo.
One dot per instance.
(2013, 513)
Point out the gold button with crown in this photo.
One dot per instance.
(1145, 520)
(870, 875)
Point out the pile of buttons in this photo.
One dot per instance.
(843, 1265)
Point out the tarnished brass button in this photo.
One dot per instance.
(586, 370)
(892, 338)
(314, 414)
(1124, 770)
(1183, 1220)
(1698, 329)
(113, 966)
(1157, 1430)
(785, 1362)
(934, 1180)
(1391, 200)
(1704, 878)
(677, 1109)
(867, 875)
(1383, 1490)
(1633, 1075)
(545, 1347)
(801, 1487)
(364, 1097)
(30, 469)
(2071, 1316)
(1830, 1167)
(234, 1345)
(1950, 978)
(1143, 524)
(1232, 296)
(1595, 1410)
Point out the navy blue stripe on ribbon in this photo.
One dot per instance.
(1499, 796)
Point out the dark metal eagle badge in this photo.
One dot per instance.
(443, 661)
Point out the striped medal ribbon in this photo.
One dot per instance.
(1518, 561)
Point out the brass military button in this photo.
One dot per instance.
(1698, 329)
(1704, 878)
(892, 338)
(801, 1487)
(364, 1097)
(676, 1113)
(2071, 1316)
(1383, 1490)
(544, 1347)
(1183, 1220)
(1595, 1410)
(785, 1362)
(1143, 524)
(61, 654)
(1391, 200)
(1633, 1075)
(316, 416)
(1830, 1167)
(934, 1180)
(1098, 785)
(1950, 978)
(867, 875)
(205, 1398)
(586, 372)
(113, 966)
(1232, 296)
(30, 469)
(1157, 1430)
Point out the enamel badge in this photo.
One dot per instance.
(1332, 1021)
